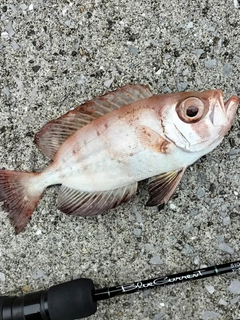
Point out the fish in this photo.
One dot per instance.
(101, 150)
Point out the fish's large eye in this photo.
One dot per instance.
(191, 110)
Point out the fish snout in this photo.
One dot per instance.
(231, 106)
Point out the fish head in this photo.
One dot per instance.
(197, 121)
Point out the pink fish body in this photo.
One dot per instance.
(100, 150)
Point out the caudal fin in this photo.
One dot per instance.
(19, 196)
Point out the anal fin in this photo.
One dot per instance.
(82, 203)
(162, 187)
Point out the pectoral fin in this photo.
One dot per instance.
(162, 187)
(82, 203)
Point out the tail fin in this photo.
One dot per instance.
(19, 196)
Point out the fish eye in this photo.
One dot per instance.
(191, 110)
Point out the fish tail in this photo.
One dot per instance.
(19, 195)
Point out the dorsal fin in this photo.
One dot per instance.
(54, 133)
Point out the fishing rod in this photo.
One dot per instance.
(78, 298)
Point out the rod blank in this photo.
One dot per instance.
(198, 274)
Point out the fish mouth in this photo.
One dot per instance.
(226, 110)
(231, 106)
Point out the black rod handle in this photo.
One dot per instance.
(66, 301)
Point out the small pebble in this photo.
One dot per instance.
(68, 23)
(234, 287)
(38, 274)
(156, 260)
(4, 35)
(23, 7)
(194, 212)
(222, 302)
(137, 214)
(81, 79)
(159, 316)
(149, 247)
(26, 288)
(234, 300)
(210, 63)
(19, 83)
(210, 315)
(220, 238)
(226, 221)
(133, 50)
(36, 68)
(234, 152)
(182, 85)
(14, 45)
(172, 206)
(108, 83)
(2, 277)
(4, 9)
(210, 289)
(10, 29)
(175, 40)
(33, 94)
(200, 193)
(137, 232)
(198, 52)
(189, 250)
(211, 29)
(6, 91)
(190, 25)
(227, 69)
(236, 3)
(13, 8)
(225, 247)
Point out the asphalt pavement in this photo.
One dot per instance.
(55, 55)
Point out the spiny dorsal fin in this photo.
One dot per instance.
(54, 133)
(82, 203)
(162, 187)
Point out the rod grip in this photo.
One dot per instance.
(71, 300)
(67, 301)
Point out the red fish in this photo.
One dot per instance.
(101, 149)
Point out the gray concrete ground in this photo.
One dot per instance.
(57, 54)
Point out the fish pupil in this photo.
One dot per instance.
(192, 111)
